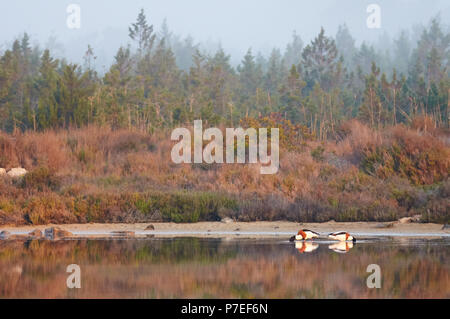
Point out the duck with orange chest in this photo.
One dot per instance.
(304, 234)
(342, 236)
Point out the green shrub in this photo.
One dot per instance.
(317, 153)
(422, 162)
(41, 179)
(47, 208)
(186, 207)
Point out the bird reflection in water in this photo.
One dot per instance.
(306, 247)
(341, 247)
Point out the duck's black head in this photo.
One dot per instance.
(354, 239)
(292, 238)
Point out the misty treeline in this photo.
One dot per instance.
(161, 81)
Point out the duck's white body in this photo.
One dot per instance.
(341, 236)
(304, 234)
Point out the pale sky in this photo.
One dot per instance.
(236, 24)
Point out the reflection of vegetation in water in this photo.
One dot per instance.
(125, 251)
(181, 250)
(206, 268)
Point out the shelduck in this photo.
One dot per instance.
(304, 234)
(305, 247)
(342, 236)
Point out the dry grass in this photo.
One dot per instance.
(99, 174)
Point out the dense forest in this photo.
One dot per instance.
(364, 133)
(161, 81)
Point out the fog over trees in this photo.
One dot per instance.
(158, 78)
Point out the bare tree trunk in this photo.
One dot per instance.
(447, 116)
(395, 110)
(371, 109)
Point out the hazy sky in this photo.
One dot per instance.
(237, 24)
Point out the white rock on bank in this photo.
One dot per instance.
(56, 233)
(17, 172)
(4, 234)
(226, 220)
(404, 220)
(413, 219)
(2, 171)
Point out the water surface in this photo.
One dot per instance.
(224, 268)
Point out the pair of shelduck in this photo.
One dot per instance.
(305, 234)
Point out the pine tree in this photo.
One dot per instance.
(46, 82)
(372, 110)
(364, 58)
(293, 53)
(345, 44)
(402, 52)
(219, 82)
(142, 33)
(319, 62)
(73, 108)
(291, 97)
(249, 74)
(275, 72)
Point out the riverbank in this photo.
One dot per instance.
(243, 229)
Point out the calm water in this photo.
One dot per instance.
(224, 268)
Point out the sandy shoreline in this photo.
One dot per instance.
(244, 229)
